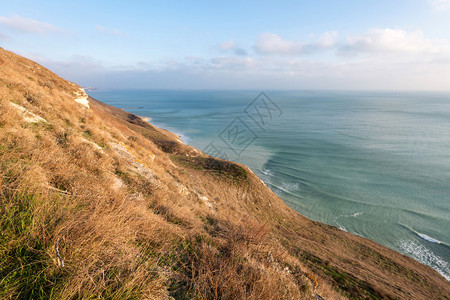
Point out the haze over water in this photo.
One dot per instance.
(376, 164)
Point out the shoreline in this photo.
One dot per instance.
(247, 158)
(411, 254)
(154, 198)
(266, 180)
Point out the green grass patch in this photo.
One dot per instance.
(26, 269)
(87, 134)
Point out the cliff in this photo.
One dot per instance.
(97, 203)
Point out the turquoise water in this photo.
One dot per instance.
(376, 164)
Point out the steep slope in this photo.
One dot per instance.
(97, 203)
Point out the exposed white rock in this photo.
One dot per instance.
(122, 150)
(117, 183)
(207, 202)
(210, 204)
(82, 98)
(182, 189)
(96, 147)
(28, 116)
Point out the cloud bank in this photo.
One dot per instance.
(27, 25)
(270, 44)
(390, 41)
(440, 5)
(374, 41)
(380, 58)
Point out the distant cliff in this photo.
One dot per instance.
(97, 203)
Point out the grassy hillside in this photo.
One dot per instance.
(97, 203)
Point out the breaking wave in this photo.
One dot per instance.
(425, 256)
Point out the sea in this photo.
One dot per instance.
(375, 164)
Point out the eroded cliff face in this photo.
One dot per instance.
(96, 202)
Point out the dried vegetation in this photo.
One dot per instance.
(96, 203)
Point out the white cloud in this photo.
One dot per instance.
(440, 5)
(388, 41)
(380, 58)
(273, 44)
(228, 45)
(197, 64)
(266, 72)
(376, 41)
(27, 25)
(328, 39)
(232, 46)
(103, 30)
(376, 59)
(228, 63)
(270, 43)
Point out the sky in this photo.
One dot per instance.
(323, 44)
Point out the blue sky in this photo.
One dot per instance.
(388, 45)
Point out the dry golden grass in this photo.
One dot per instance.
(130, 225)
(143, 238)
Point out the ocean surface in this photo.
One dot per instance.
(376, 164)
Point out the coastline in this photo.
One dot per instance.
(268, 185)
(417, 252)
(292, 191)
(115, 197)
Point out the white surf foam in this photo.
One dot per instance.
(428, 238)
(289, 186)
(266, 176)
(342, 228)
(425, 256)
